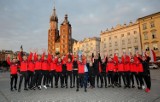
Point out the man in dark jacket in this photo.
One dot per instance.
(146, 72)
(97, 69)
(103, 73)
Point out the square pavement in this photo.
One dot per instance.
(70, 95)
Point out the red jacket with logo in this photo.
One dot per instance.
(38, 65)
(59, 67)
(120, 67)
(45, 65)
(23, 66)
(31, 66)
(13, 66)
(69, 66)
(81, 66)
(139, 67)
(127, 63)
(53, 65)
(110, 66)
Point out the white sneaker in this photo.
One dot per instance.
(45, 86)
(39, 87)
(143, 87)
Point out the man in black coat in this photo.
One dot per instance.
(146, 72)
(97, 70)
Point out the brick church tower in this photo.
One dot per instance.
(66, 36)
(59, 43)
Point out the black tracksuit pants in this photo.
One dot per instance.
(37, 78)
(23, 75)
(75, 76)
(97, 77)
(81, 79)
(45, 77)
(104, 78)
(13, 79)
(140, 78)
(127, 78)
(59, 76)
(70, 75)
(30, 78)
(147, 79)
(111, 77)
(52, 75)
(121, 75)
(134, 74)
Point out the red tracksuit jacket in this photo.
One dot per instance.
(81, 66)
(30, 63)
(45, 65)
(31, 66)
(126, 64)
(120, 67)
(110, 66)
(132, 67)
(13, 66)
(59, 67)
(139, 67)
(69, 66)
(23, 66)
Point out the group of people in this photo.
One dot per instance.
(51, 70)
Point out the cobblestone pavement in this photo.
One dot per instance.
(70, 95)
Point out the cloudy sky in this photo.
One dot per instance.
(26, 22)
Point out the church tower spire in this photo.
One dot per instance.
(54, 16)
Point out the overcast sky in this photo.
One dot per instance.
(26, 22)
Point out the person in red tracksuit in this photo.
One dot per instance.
(64, 72)
(127, 70)
(133, 70)
(38, 72)
(110, 70)
(45, 71)
(69, 66)
(59, 73)
(13, 72)
(121, 72)
(81, 73)
(52, 70)
(139, 71)
(23, 72)
(31, 66)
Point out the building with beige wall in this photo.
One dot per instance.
(150, 32)
(122, 38)
(87, 46)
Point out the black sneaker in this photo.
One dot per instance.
(56, 86)
(140, 88)
(19, 90)
(77, 90)
(12, 89)
(129, 86)
(133, 86)
(47, 85)
(39, 88)
(15, 88)
(26, 89)
(71, 86)
(85, 90)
